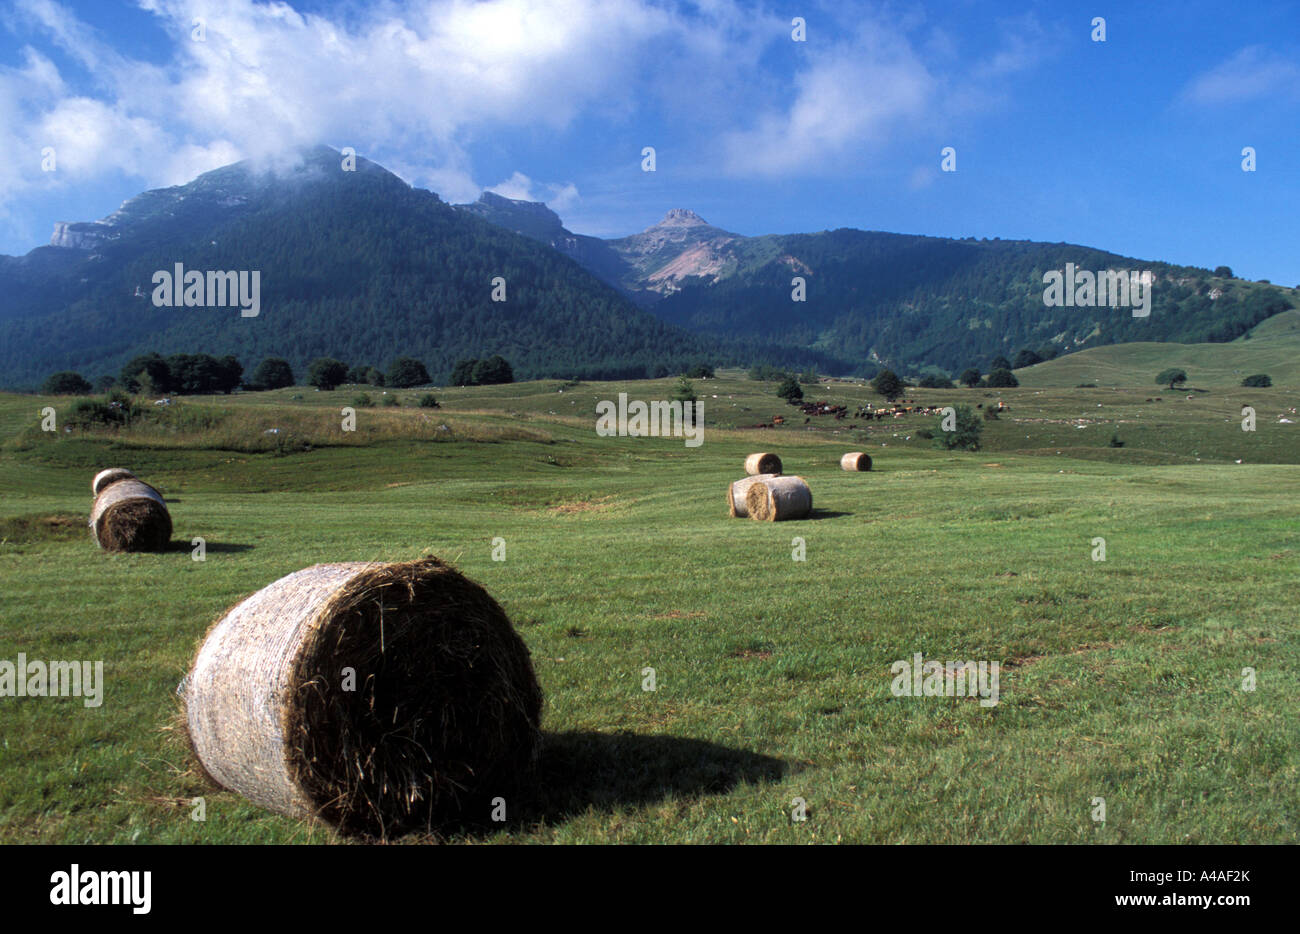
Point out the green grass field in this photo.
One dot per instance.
(1121, 679)
(1272, 347)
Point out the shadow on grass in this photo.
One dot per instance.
(581, 770)
(824, 514)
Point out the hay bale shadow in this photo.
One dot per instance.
(824, 514)
(581, 770)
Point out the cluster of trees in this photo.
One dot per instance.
(489, 372)
(189, 373)
(204, 374)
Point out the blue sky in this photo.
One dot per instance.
(1133, 144)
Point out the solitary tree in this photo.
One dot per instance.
(66, 383)
(1026, 358)
(1257, 380)
(495, 369)
(1003, 378)
(684, 391)
(1172, 376)
(790, 390)
(272, 373)
(970, 377)
(888, 384)
(406, 372)
(326, 373)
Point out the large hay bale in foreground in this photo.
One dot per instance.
(762, 463)
(131, 516)
(736, 494)
(443, 714)
(778, 498)
(855, 460)
(111, 475)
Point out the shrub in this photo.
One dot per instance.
(684, 391)
(428, 401)
(115, 410)
(362, 401)
(990, 414)
(700, 371)
(999, 363)
(66, 383)
(1002, 378)
(1257, 380)
(390, 399)
(1223, 272)
(935, 382)
(1114, 440)
(965, 437)
(1026, 358)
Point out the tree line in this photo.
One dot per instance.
(204, 374)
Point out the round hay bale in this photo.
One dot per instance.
(762, 463)
(442, 713)
(111, 475)
(736, 494)
(131, 516)
(778, 498)
(855, 460)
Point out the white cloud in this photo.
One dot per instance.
(1251, 73)
(850, 100)
(558, 197)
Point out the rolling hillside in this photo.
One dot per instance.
(1272, 347)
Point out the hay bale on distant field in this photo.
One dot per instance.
(442, 714)
(855, 460)
(111, 475)
(130, 516)
(736, 494)
(762, 463)
(778, 498)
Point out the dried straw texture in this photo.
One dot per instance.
(131, 516)
(736, 494)
(779, 498)
(111, 475)
(855, 461)
(444, 714)
(761, 463)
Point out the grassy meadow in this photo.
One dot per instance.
(1121, 678)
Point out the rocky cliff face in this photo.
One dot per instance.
(681, 245)
(76, 235)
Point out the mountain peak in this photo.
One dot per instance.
(682, 217)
